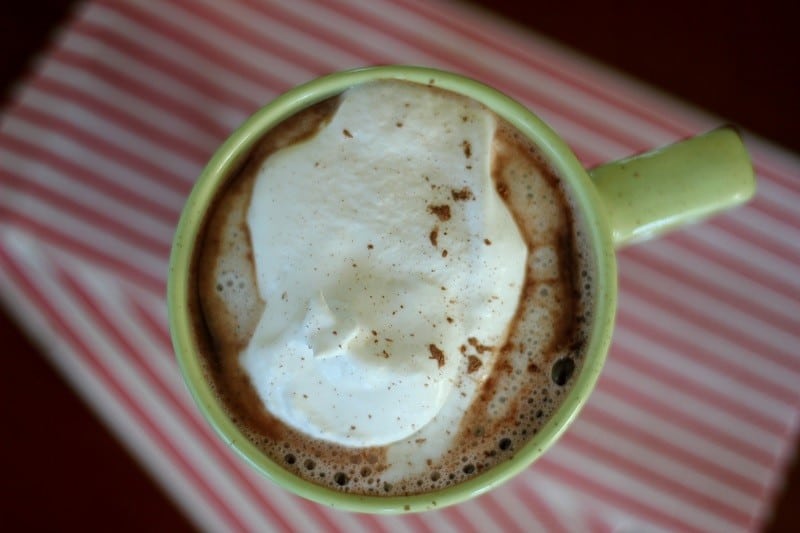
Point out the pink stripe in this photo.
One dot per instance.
(767, 206)
(782, 357)
(122, 116)
(221, 453)
(696, 389)
(137, 413)
(454, 515)
(221, 19)
(662, 409)
(785, 179)
(614, 496)
(666, 448)
(686, 275)
(138, 163)
(312, 27)
(77, 172)
(88, 214)
(70, 243)
(498, 515)
(691, 243)
(121, 80)
(596, 522)
(164, 63)
(653, 478)
(764, 240)
(215, 54)
(539, 506)
(414, 522)
(712, 361)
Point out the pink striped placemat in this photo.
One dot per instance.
(696, 413)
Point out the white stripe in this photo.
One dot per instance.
(774, 158)
(260, 21)
(717, 347)
(214, 73)
(768, 226)
(560, 501)
(113, 132)
(127, 102)
(778, 194)
(700, 446)
(90, 385)
(257, 60)
(45, 176)
(475, 515)
(716, 273)
(514, 505)
(748, 324)
(344, 521)
(515, 509)
(356, 33)
(220, 112)
(662, 465)
(747, 252)
(94, 237)
(99, 165)
(689, 368)
(401, 524)
(637, 490)
(705, 414)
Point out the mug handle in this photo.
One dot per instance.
(650, 193)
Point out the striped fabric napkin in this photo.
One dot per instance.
(696, 414)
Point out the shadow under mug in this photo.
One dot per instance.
(622, 202)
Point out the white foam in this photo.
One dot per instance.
(349, 238)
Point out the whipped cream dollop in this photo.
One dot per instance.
(381, 248)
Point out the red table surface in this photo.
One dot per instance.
(739, 60)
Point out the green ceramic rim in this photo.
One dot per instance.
(228, 156)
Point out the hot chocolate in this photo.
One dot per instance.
(393, 291)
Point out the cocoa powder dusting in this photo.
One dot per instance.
(467, 148)
(473, 364)
(434, 237)
(436, 354)
(441, 211)
(480, 348)
(460, 195)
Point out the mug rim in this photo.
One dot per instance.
(230, 154)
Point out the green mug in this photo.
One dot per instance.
(622, 202)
